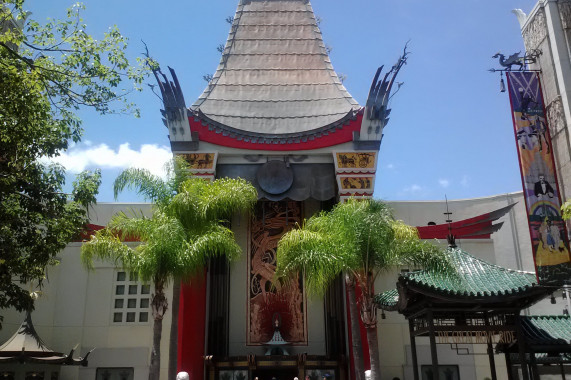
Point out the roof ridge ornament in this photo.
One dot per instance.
(175, 113)
(26, 345)
(377, 113)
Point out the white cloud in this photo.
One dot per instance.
(444, 182)
(390, 166)
(413, 189)
(87, 156)
(465, 181)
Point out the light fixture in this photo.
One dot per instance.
(383, 315)
(502, 84)
(553, 300)
(565, 311)
(564, 294)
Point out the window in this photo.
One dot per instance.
(131, 303)
(114, 374)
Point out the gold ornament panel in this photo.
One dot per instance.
(355, 161)
(355, 183)
(200, 161)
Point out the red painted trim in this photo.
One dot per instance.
(340, 172)
(339, 136)
(192, 327)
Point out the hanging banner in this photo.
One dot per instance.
(549, 240)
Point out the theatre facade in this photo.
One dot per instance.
(276, 113)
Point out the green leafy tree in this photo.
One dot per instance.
(566, 210)
(186, 229)
(47, 73)
(363, 240)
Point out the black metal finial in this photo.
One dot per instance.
(451, 238)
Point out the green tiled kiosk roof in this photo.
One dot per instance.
(548, 329)
(476, 279)
(387, 300)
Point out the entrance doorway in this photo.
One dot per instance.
(277, 373)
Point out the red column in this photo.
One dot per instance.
(192, 327)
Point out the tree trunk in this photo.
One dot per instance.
(356, 343)
(374, 352)
(159, 305)
(369, 317)
(155, 367)
(173, 339)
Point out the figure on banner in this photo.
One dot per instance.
(540, 130)
(526, 102)
(542, 187)
(549, 235)
(527, 138)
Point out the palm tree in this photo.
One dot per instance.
(185, 230)
(362, 239)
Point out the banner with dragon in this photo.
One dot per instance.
(549, 239)
(267, 298)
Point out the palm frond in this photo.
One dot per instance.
(312, 253)
(178, 171)
(226, 196)
(146, 184)
(359, 237)
(218, 241)
(199, 201)
(105, 246)
(129, 228)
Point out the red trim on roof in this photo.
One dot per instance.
(91, 229)
(478, 227)
(339, 136)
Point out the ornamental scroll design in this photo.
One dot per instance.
(266, 297)
(536, 31)
(565, 14)
(555, 116)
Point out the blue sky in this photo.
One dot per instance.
(450, 130)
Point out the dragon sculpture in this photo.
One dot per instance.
(516, 60)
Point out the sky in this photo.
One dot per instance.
(450, 132)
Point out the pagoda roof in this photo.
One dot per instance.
(547, 329)
(275, 77)
(27, 346)
(547, 336)
(476, 281)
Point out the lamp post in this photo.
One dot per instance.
(566, 295)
